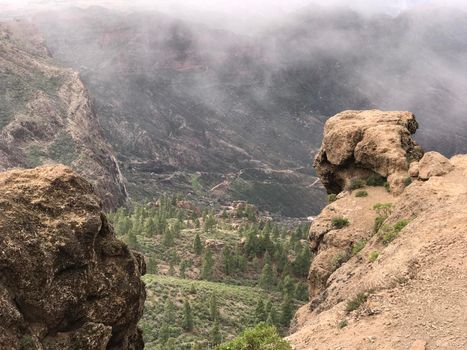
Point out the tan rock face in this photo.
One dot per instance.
(397, 285)
(361, 143)
(433, 164)
(66, 281)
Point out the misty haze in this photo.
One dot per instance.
(206, 130)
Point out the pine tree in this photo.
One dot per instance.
(168, 238)
(301, 292)
(197, 245)
(267, 277)
(152, 266)
(272, 316)
(164, 333)
(216, 337)
(132, 240)
(287, 286)
(149, 227)
(213, 308)
(286, 311)
(208, 265)
(301, 264)
(183, 267)
(227, 261)
(187, 317)
(260, 312)
(169, 312)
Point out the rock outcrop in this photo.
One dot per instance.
(66, 281)
(390, 269)
(357, 144)
(46, 115)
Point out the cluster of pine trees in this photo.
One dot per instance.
(275, 259)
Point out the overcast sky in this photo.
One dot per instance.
(234, 9)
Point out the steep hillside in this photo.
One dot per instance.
(390, 267)
(66, 281)
(46, 115)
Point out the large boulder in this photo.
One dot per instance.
(66, 281)
(357, 144)
(433, 164)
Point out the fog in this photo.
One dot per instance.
(289, 62)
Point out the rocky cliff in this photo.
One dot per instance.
(46, 115)
(66, 282)
(390, 266)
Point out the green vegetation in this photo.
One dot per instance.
(383, 210)
(208, 268)
(342, 324)
(373, 256)
(388, 233)
(332, 197)
(261, 337)
(376, 180)
(339, 222)
(358, 246)
(361, 194)
(354, 303)
(355, 184)
(338, 260)
(196, 183)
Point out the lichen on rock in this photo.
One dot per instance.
(66, 281)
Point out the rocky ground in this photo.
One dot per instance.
(398, 285)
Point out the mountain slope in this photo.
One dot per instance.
(394, 275)
(47, 116)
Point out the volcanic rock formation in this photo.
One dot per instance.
(362, 143)
(390, 269)
(66, 281)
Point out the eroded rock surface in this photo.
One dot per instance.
(357, 144)
(396, 274)
(66, 281)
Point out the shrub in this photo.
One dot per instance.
(383, 209)
(358, 246)
(376, 180)
(356, 302)
(379, 220)
(355, 184)
(388, 234)
(342, 324)
(332, 197)
(338, 260)
(361, 194)
(261, 337)
(339, 222)
(373, 256)
(398, 226)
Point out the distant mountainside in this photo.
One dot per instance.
(193, 109)
(46, 115)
